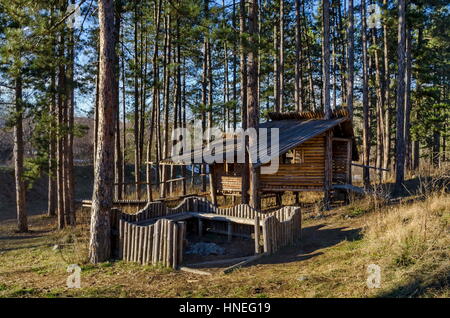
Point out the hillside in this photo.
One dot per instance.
(409, 241)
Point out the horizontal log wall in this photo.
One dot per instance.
(341, 160)
(306, 175)
(227, 181)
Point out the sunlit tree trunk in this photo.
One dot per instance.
(52, 185)
(387, 98)
(400, 138)
(244, 92)
(22, 223)
(60, 135)
(100, 242)
(298, 92)
(351, 58)
(408, 69)
(118, 165)
(137, 151)
(281, 58)
(326, 58)
(252, 99)
(366, 127)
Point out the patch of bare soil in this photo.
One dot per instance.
(238, 247)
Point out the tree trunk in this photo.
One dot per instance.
(60, 136)
(184, 103)
(137, 151)
(100, 243)
(52, 185)
(326, 58)
(400, 138)
(312, 98)
(118, 165)
(387, 83)
(379, 106)
(155, 99)
(276, 70)
(244, 86)
(167, 61)
(22, 223)
(252, 99)
(235, 53)
(281, 53)
(408, 64)
(351, 58)
(366, 127)
(124, 124)
(70, 97)
(298, 92)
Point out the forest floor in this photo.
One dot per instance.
(408, 239)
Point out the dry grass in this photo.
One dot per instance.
(409, 241)
(416, 236)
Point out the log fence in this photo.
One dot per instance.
(157, 233)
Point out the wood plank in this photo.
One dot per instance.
(194, 271)
(243, 263)
(349, 187)
(370, 167)
(219, 261)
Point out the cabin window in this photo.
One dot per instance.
(298, 156)
(295, 156)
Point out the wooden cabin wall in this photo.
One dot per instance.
(341, 161)
(228, 182)
(308, 175)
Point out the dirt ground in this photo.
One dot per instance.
(43, 270)
(330, 261)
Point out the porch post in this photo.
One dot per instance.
(328, 173)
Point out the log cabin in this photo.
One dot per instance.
(314, 154)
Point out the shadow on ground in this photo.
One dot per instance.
(314, 238)
(418, 287)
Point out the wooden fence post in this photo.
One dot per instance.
(181, 238)
(257, 250)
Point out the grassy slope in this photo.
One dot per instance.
(410, 242)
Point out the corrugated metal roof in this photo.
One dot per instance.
(291, 134)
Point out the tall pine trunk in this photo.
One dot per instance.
(366, 127)
(118, 165)
(252, 99)
(281, 53)
(379, 105)
(22, 223)
(408, 69)
(326, 58)
(137, 151)
(60, 135)
(387, 98)
(100, 241)
(52, 185)
(70, 96)
(298, 92)
(244, 92)
(400, 138)
(351, 58)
